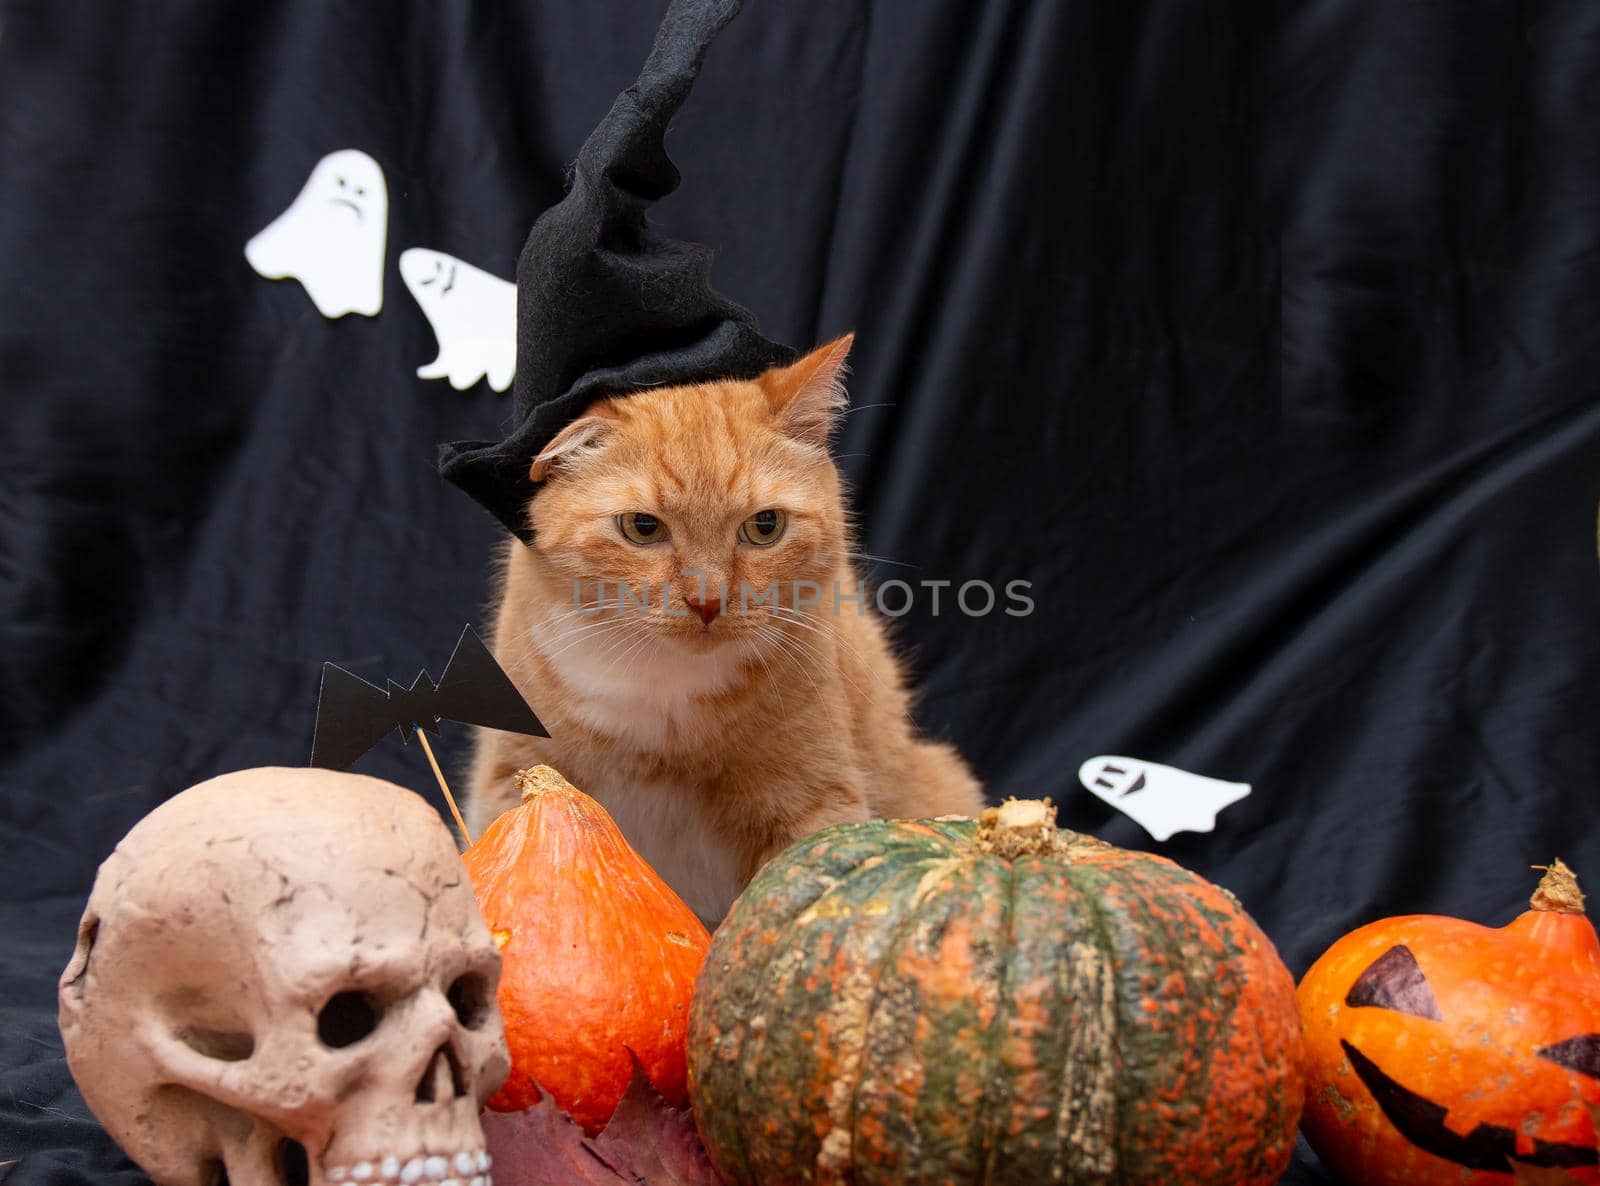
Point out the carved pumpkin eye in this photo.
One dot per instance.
(1581, 1054)
(1394, 981)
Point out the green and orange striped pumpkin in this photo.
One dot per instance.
(991, 1002)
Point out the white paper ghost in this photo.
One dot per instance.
(473, 314)
(332, 237)
(1161, 799)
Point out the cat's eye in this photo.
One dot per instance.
(640, 528)
(763, 528)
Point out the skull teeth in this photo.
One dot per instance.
(465, 1168)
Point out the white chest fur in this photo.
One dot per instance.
(647, 696)
(646, 693)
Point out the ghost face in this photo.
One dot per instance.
(332, 237)
(1162, 799)
(473, 314)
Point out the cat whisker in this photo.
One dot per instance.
(604, 642)
(771, 633)
(579, 635)
(814, 652)
(610, 642)
(585, 630)
(868, 556)
(802, 659)
(828, 630)
(641, 640)
(526, 632)
(823, 625)
(777, 688)
(582, 625)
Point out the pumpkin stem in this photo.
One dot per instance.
(1018, 827)
(1558, 891)
(539, 780)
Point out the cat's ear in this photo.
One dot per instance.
(809, 394)
(586, 432)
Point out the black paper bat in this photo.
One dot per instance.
(353, 715)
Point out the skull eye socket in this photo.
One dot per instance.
(1581, 1054)
(469, 997)
(224, 1045)
(1393, 981)
(88, 932)
(346, 1019)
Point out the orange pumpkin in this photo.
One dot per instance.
(599, 956)
(1441, 1051)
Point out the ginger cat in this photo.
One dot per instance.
(717, 722)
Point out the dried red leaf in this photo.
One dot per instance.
(647, 1142)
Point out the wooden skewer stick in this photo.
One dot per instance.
(443, 786)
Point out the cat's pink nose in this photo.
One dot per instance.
(707, 609)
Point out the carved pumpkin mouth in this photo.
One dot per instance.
(1487, 1147)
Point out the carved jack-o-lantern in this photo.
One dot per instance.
(1441, 1051)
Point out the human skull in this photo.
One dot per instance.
(282, 979)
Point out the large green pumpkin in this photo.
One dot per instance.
(991, 1002)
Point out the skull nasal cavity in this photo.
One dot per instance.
(444, 1078)
(294, 1168)
(346, 1019)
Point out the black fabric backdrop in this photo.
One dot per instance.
(1263, 342)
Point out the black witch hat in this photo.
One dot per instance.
(606, 304)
